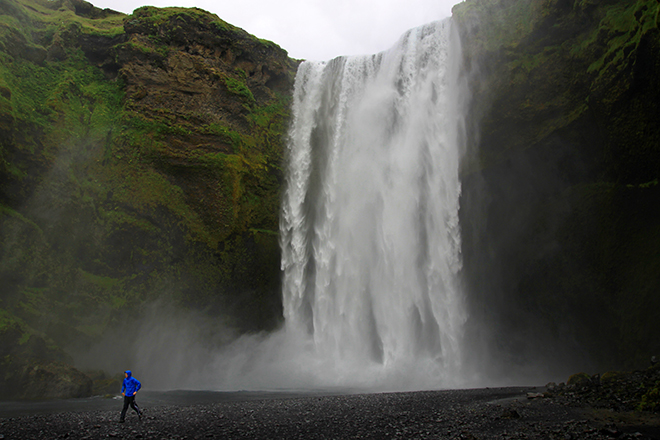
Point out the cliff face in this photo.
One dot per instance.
(139, 158)
(561, 198)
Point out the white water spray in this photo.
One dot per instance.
(369, 233)
(369, 229)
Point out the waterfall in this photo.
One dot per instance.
(371, 248)
(371, 243)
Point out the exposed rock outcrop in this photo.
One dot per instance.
(39, 379)
(32, 367)
(139, 159)
(560, 203)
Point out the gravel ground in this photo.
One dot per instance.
(495, 413)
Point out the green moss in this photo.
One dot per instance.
(117, 303)
(7, 211)
(135, 46)
(623, 27)
(169, 25)
(264, 231)
(48, 21)
(6, 320)
(651, 399)
(146, 189)
(156, 17)
(100, 281)
(34, 300)
(24, 338)
(120, 218)
(109, 215)
(645, 185)
(578, 379)
(62, 100)
(232, 137)
(611, 376)
(239, 88)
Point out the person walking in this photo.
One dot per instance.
(129, 389)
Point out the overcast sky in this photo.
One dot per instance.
(315, 29)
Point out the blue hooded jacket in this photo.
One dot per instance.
(131, 385)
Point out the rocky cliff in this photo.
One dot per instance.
(140, 157)
(561, 201)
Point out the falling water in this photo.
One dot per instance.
(371, 249)
(369, 229)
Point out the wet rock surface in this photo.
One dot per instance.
(42, 379)
(614, 391)
(504, 413)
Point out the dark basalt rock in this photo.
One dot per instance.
(41, 379)
(559, 208)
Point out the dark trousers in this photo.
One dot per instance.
(129, 400)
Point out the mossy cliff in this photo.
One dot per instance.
(561, 204)
(140, 156)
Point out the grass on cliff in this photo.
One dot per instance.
(57, 103)
(96, 222)
(621, 31)
(55, 18)
(166, 25)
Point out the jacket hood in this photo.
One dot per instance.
(128, 372)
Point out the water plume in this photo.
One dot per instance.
(370, 238)
(369, 228)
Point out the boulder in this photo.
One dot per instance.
(26, 379)
(579, 379)
(32, 367)
(104, 384)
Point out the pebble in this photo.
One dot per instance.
(453, 414)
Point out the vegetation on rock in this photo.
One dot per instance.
(560, 202)
(139, 156)
(619, 392)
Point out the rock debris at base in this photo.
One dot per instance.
(504, 413)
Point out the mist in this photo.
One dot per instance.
(374, 295)
(443, 225)
(172, 348)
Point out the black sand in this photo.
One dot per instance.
(503, 413)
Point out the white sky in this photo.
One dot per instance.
(315, 29)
